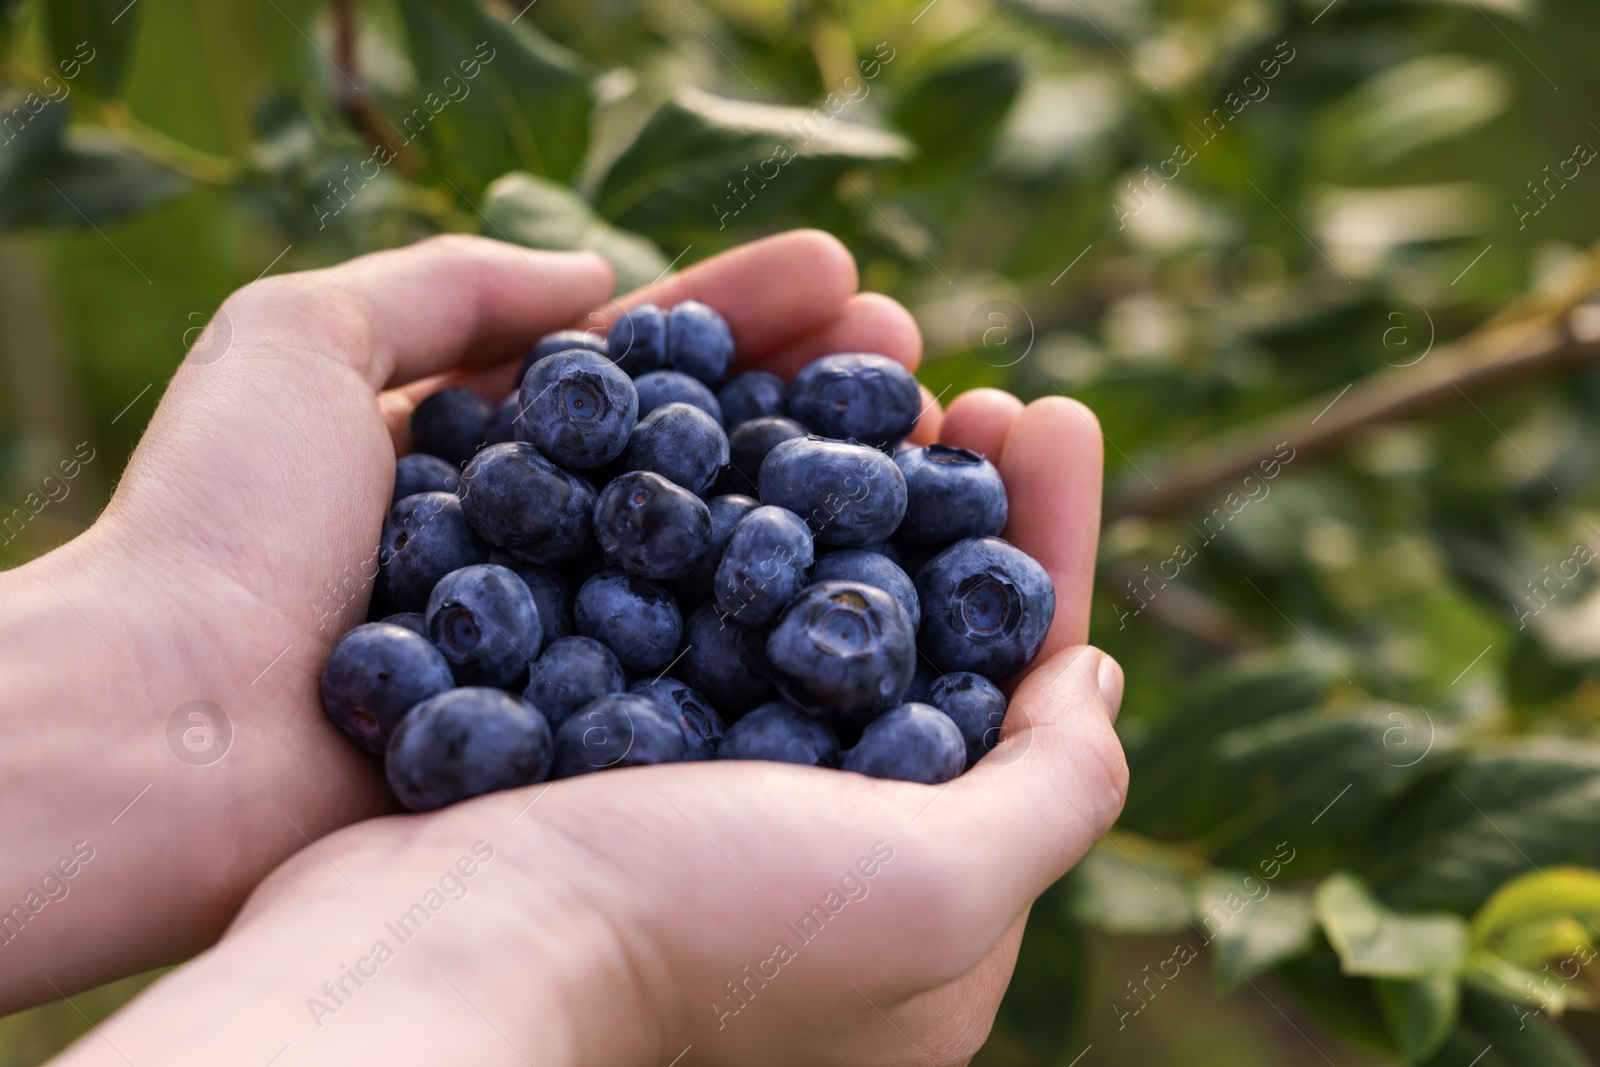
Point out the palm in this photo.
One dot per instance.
(275, 462)
(708, 866)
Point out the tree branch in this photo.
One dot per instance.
(1181, 607)
(355, 103)
(1550, 339)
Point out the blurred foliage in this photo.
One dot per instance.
(1363, 700)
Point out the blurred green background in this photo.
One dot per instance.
(1323, 270)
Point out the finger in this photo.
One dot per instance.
(405, 314)
(867, 322)
(929, 422)
(1051, 465)
(1053, 785)
(771, 291)
(979, 420)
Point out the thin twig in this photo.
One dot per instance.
(355, 103)
(1502, 353)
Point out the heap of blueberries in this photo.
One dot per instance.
(635, 559)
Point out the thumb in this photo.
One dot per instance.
(1056, 781)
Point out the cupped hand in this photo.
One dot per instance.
(733, 913)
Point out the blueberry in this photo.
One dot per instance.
(886, 549)
(975, 705)
(921, 681)
(376, 674)
(748, 445)
(726, 511)
(636, 619)
(570, 673)
(986, 607)
(523, 503)
(781, 732)
(378, 607)
(502, 424)
(842, 651)
(425, 537)
(618, 730)
(913, 555)
(638, 341)
(699, 342)
(951, 493)
(420, 473)
(725, 661)
(449, 424)
(912, 743)
(661, 387)
(870, 568)
(702, 726)
(764, 565)
(465, 743)
(578, 409)
(411, 620)
(550, 594)
(869, 398)
(566, 341)
(681, 443)
(755, 394)
(650, 527)
(849, 494)
(484, 620)
(562, 341)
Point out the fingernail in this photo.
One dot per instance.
(1110, 678)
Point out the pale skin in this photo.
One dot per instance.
(616, 908)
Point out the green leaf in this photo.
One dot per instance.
(541, 214)
(1097, 22)
(1253, 926)
(703, 161)
(1493, 1033)
(1131, 886)
(1373, 940)
(51, 175)
(1341, 1003)
(1429, 99)
(35, 133)
(1318, 778)
(1487, 818)
(493, 98)
(1533, 932)
(1420, 1012)
(1533, 900)
(90, 43)
(954, 114)
(1174, 775)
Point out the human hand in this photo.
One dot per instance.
(619, 906)
(237, 548)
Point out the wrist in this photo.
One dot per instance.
(99, 660)
(78, 752)
(420, 939)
